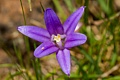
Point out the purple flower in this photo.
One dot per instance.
(57, 38)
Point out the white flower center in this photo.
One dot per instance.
(57, 38)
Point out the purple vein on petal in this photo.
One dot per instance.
(75, 39)
(35, 33)
(52, 22)
(45, 49)
(39, 34)
(71, 23)
(63, 57)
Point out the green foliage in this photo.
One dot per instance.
(96, 52)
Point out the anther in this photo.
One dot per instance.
(57, 38)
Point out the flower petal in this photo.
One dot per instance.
(53, 23)
(71, 23)
(75, 39)
(34, 32)
(45, 49)
(63, 57)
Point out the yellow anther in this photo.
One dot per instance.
(57, 38)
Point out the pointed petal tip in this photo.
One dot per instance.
(83, 7)
(36, 55)
(85, 37)
(19, 28)
(72, 21)
(63, 57)
(68, 74)
(48, 9)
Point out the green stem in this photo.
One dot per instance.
(23, 12)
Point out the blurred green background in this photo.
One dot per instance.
(97, 59)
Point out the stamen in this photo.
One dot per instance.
(57, 38)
